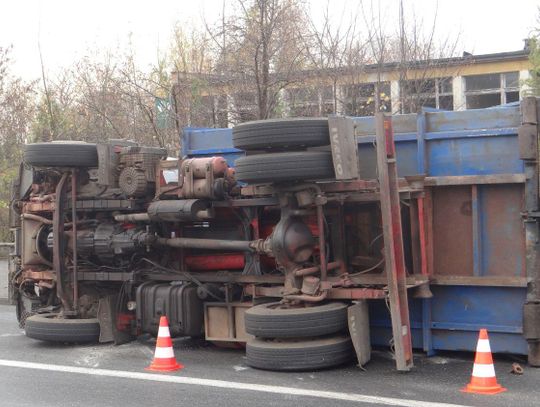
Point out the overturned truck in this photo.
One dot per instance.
(323, 237)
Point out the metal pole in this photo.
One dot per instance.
(322, 242)
(74, 229)
(58, 243)
(207, 244)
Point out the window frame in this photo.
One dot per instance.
(501, 90)
(427, 95)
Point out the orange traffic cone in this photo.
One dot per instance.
(164, 360)
(483, 380)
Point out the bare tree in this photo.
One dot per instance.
(106, 97)
(532, 84)
(425, 59)
(260, 51)
(193, 63)
(16, 113)
(337, 55)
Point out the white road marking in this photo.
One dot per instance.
(290, 391)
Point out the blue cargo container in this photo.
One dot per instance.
(476, 196)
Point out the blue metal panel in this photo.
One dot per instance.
(479, 142)
(449, 134)
(406, 152)
(205, 142)
(457, 314)
(496, 154)
(381, 327)
(421, 143)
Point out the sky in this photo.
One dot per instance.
(67, 30)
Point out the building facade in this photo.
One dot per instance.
(467, 82)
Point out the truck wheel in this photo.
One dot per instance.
(281, 134)
(295, 355)
(271, 320)
(51, 328)
(281, 167)
(61, 154)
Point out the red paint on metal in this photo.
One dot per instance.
(356, 293)
(123, 321)
(231, 261)
(162, 181)
(389, 137)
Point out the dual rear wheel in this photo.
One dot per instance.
(277, 150)
(298, 338)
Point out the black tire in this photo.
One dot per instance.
(50, 328)
(281, 134)
(61, 154)
(271, 321)
(297, 355)
(283, 167)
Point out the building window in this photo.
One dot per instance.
(359, 100)
(311, 101)
(245, 107)
(327, 100)
(491, 89)
(304, 102)
(432, 92)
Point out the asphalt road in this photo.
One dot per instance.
(34, 373)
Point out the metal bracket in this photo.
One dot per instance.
(344, 148)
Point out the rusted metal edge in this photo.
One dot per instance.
(494, 281)
(333, 293)
(412, 281)
(265, 201)
(475, 179)
(393, 242)
(370, 189)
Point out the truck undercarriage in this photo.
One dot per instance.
(281, 252)
(112, 236)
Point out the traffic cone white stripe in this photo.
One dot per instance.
(483, 345)
(163, 332)
(480, 370)
(164, 353)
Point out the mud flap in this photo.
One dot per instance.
(108, 322)
(358, 319)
